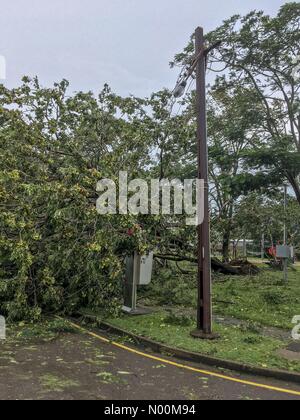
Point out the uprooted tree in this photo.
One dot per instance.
(56, 252)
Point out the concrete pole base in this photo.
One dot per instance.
(137, 311)
(201, 335)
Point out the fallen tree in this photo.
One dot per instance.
(245, 267)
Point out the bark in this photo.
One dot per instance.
(225, 247)
(294, 183)
(216, 265)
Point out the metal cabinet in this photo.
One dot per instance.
(138, 273)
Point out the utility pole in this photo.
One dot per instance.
(204, 306)
(204, 309)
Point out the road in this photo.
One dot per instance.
(87, 366)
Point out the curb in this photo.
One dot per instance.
(197, 357)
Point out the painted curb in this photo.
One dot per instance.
(156, 347)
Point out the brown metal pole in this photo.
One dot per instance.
(204, 310)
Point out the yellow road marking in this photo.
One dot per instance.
(186, 367)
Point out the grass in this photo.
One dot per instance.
(241, 345)
(262, 299)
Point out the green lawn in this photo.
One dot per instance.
(235, 343)
(261, 298)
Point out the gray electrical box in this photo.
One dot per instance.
(138, 273)
(283, 251)
(144, 264)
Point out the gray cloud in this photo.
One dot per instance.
(126, 43)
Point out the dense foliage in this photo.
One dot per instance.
(55, 250)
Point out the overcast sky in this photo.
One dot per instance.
(126, 43)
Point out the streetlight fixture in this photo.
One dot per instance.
(180, 89)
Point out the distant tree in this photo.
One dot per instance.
(258, 214)
(231, 135)
(263, 54)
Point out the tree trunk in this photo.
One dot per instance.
(295, 185)
(216, 265)
(227, 234)
(225, 247)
